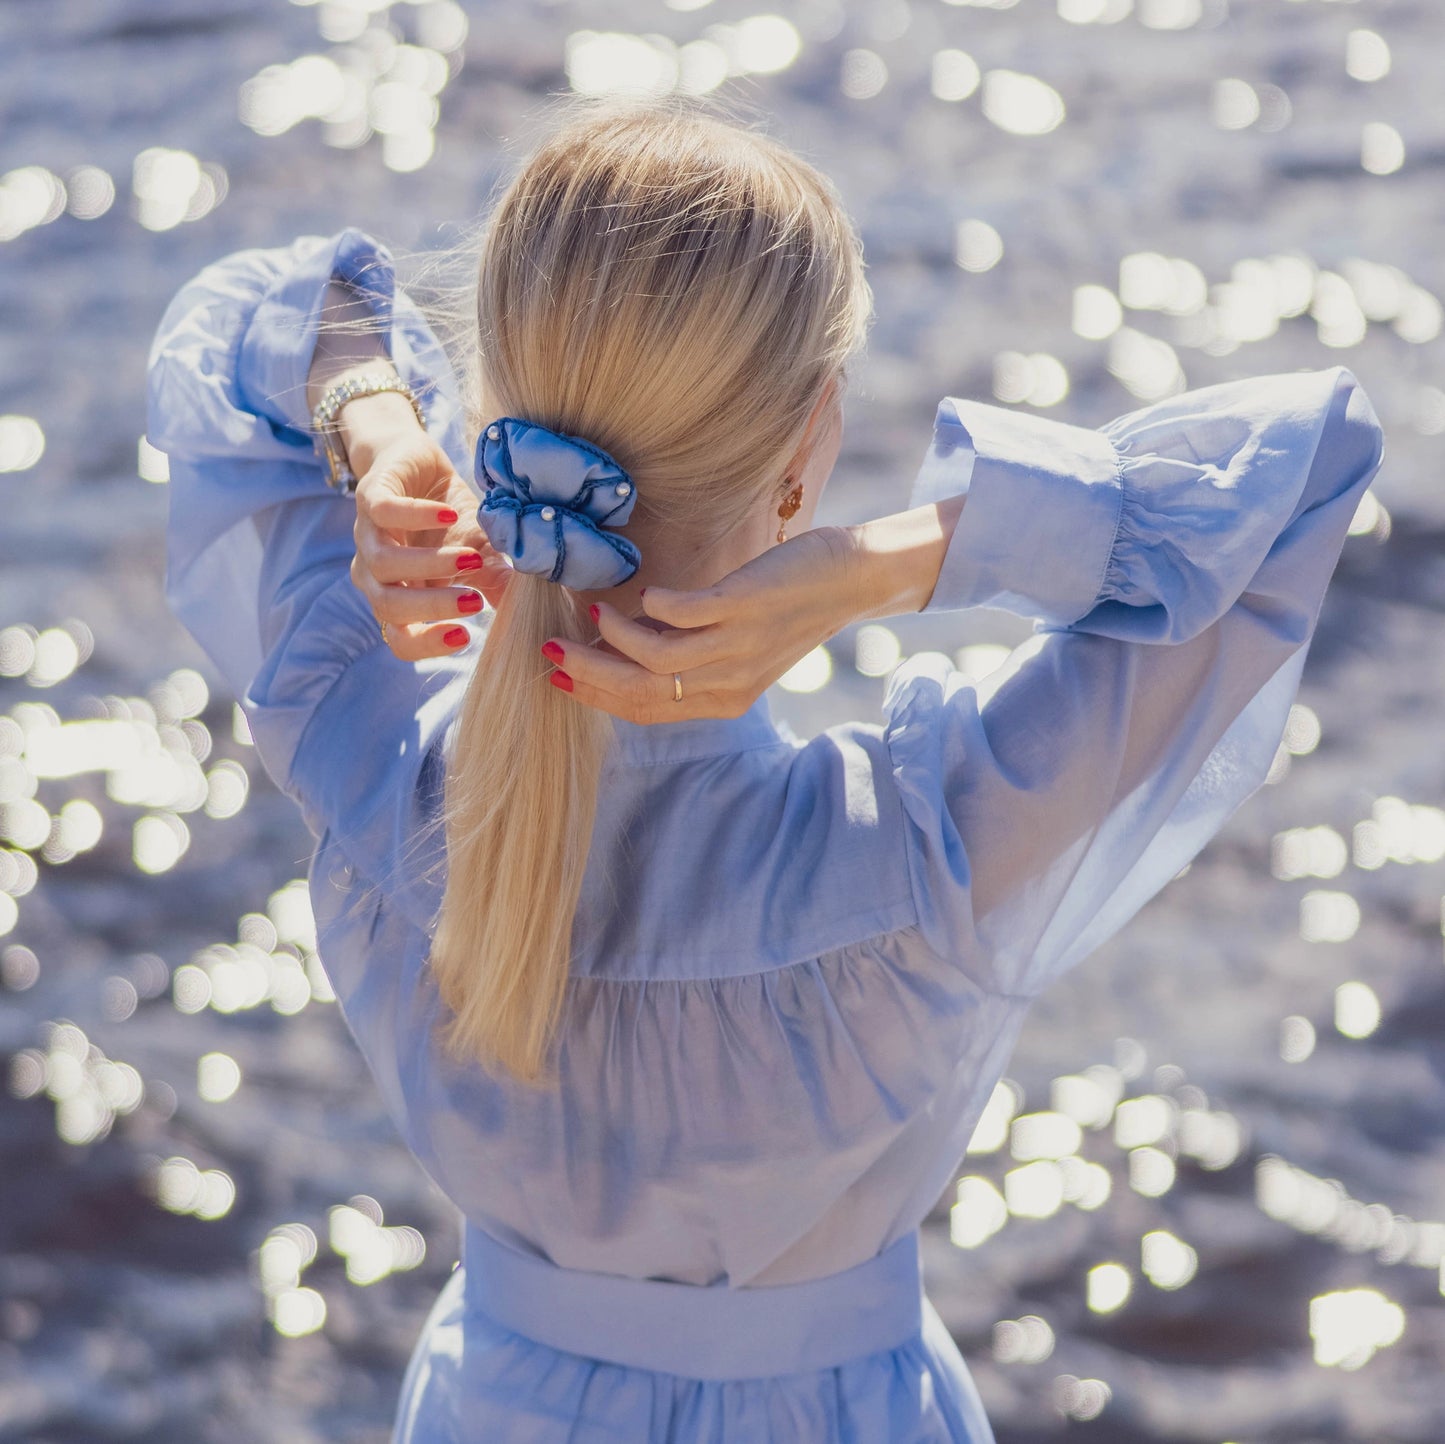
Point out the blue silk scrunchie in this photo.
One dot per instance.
(548, 496)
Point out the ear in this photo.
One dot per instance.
(810, 432)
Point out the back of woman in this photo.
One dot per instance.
(693, 1018)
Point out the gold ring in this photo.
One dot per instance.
(677, 686)
(383, 634)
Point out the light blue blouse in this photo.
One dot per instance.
(800, 966)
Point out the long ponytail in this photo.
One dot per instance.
(522, 795)
(678, 290)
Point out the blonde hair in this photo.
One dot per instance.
(678, 289)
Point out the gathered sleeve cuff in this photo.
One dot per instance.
(1037, 488)
(1147, 528)
(279, 342)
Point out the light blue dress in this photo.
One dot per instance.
(800, 966)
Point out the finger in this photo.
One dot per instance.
(369, 536)
(413, 642)
(390, 512)
(634, 686)
(405, 602)
(491, 561)
(642, 711)
(468, 530)
(492, 579)
(680, 608)
(679, 650)
(402, 606)
(390, 562)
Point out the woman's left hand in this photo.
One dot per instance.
(729, 642)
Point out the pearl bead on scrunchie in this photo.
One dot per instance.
(548, 496)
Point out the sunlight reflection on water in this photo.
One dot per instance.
(118, 773)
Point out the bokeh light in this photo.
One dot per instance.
(978, 1212)
(1108, 1287)
(1028, 1340)
(22, 443)
(992, 1129)
(30, 196)
(1382, 148)
(90, 192)
(977, 246)
(1034, 1190)
(1081, 1399)
(1021, 104)
(1296, 1038)
(955, 75)
(1167, 1261)
(1094, 278)
(877, 650)
(218, 1077)
(1367, 55)
(1357, 1010)
(864, 74)
(1348, 1326)
(810, 673)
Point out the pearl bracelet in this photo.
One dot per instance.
(326, 432)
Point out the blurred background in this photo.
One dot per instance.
(1208, 1204)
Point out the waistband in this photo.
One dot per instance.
(708, 1331)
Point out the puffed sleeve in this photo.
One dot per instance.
(1174, 563)
(258, 547)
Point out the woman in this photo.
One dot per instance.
(694, 1019)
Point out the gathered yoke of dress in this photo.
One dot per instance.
(800, 966)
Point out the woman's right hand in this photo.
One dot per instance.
(729, 641)
(422, 560)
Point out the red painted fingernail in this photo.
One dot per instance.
(642, 593)
(595, 610)
(552, 652)
(447, 515)
(562, 680)
(469, 602)
(469, 561)
(455, 636)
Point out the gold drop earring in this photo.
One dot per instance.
(788, 509)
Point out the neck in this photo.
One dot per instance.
(670, 561)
